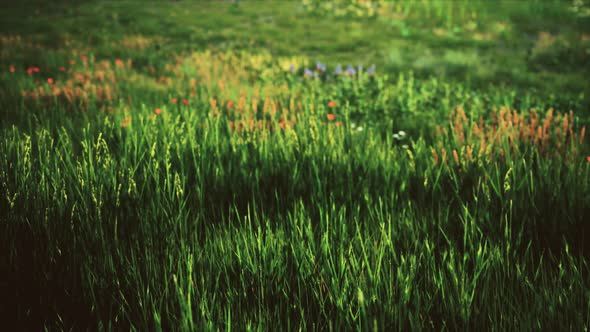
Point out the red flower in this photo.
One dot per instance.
(72, 62)
(32, 70)
(62, 68)
(12, 69)
(331, 116)
(185, 101)
(230, 104)
(588, 159)
(119, 62)
(174, 100)
(332, 104)
(158, 111)
(50, 80)
(84, 58)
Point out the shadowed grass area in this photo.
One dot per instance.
(192, 166)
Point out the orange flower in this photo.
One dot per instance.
(338, 123)
(284, 124)
(185, 101)
(72, 62)
(174, 100)
(50, 80)
(331, 116)
(12, 69)
(588, 159)
(158, 111)
(230, 104)
(332, 104)
(62, 69)
(119, 62)
(84, 58)
(126, 122)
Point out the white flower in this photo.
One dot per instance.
(396, 136)
(401, 134)
(359, 128)
(353, 125)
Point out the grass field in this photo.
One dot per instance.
(295, 165)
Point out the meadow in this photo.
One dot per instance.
(295, 165)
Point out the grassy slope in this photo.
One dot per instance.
(175, 221)
(482, 42)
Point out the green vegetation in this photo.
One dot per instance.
(190, 166)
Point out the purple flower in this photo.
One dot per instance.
(338, 70)
(320, 66)
(307, 73)
(350, 70)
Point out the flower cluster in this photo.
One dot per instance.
(320, 71)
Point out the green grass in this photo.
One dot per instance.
(251, 209)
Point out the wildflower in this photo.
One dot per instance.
(84, 58)
(118, 62)
(320, 66)
(359, 128)
(230, 104)
(62, 69)
(185, 101)
(126, 122)
(50, 80)
(338, 70)
(331, 116)
(72, 62)
(456, 155)
(32, 70)
(338, 123)
(588, 159)
(12, 69)
(401, 134)
(396, 136)
(174, 100)
(435, 156)
(284, 124)
(350, 70)
(332, 104)
(158, 111)
(371, 70)
(307, 73)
